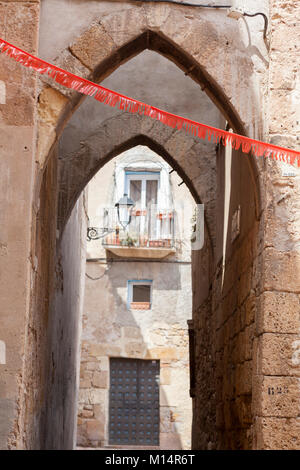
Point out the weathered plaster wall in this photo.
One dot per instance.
(110, 329)
(234, 58)
(278, 327)
(151, 78)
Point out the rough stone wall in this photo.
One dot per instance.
(257, 322)
(86, 144)
(229, 64)
(204, 434)
(277, 346)
(111, 329)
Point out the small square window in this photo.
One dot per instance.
(139, 294)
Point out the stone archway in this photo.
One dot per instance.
(67, 259)
(214, 307)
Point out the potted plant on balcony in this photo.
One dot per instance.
(111, 239)
(140, 305)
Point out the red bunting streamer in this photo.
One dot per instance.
(112, 98)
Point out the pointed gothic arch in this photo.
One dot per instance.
(95, 54)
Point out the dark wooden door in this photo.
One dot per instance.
(134, 402)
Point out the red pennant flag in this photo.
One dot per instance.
(112, 98)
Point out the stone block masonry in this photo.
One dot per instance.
(246, 299)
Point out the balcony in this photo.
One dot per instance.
(150, 233)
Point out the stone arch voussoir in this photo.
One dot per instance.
(191, 158)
